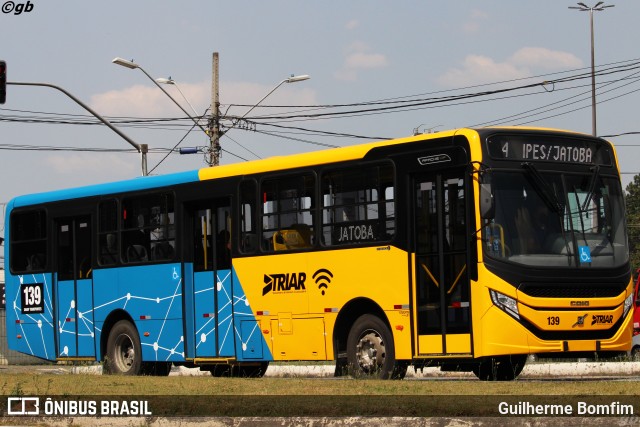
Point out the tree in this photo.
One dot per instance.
(633, 221)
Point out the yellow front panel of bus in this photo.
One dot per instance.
(299, 295)
(495, 332)
(556, 320)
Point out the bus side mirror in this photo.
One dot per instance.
(487, 207)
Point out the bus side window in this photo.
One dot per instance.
(108, 252)
(248, 196)
(223, 250)
(28, 242)
(288, 211)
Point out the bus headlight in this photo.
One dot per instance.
(628, 302)
(507, 304)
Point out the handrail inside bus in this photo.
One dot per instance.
(455, 282)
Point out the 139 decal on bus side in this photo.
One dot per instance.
(31, 296)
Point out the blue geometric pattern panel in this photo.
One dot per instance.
(31, 332)
(152, 296)
(250, 343)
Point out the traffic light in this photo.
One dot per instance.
(3, 82)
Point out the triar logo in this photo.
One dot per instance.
(284, 282)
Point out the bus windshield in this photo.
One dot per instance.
(551, 219)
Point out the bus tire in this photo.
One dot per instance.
(222, 370)
(370, 350)
(124, 353)
(156, 369)
(503, 368)
(342, 367)
(253, 371)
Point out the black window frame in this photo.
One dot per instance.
(148, 227)
(29, 241)
(288, 213)
(354, 228)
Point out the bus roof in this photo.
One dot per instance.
(139, 183)
(236, 169)
(275, 163)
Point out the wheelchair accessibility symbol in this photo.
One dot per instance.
(585, 254)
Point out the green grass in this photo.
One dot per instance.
(87, 385)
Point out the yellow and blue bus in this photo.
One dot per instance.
(465, 249)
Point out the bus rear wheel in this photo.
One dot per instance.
(504, 368)
(124, 353)
(371, 352)
(156, 369)
(243, 371)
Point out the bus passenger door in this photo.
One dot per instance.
(213, 292)
(74, 288)
(441, 301)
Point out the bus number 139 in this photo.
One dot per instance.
(553, 320)
(32, 298)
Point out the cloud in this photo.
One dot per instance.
(358, 57)
(353, 24)
(131, 101)
(475, 22)
(478, 69)
(82, 164)
(149, 101)
(539, 57)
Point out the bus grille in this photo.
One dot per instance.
(566, 290)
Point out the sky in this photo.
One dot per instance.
(400, 55)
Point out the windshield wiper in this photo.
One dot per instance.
(592, 186)
(543, 189)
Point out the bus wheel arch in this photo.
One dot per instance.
(362, 323)
(120, 345)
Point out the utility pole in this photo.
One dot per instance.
(214, 125)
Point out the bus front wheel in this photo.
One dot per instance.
(371, 352)
(504, 368)
(124, 353)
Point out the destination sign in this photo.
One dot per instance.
(548, 149)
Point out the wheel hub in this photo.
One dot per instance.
(370, 352)
(126, 353)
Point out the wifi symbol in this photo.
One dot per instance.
(322, 278)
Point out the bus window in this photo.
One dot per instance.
(211, 239)
(148, 229)
(358, 205)
(108, 233)
(29, 241)
(287, 213)
(248, 239)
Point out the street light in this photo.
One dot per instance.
(600, 6)
(143, 149)
(170, 81)
(132, 65)
(291, 79)
(216, 134)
